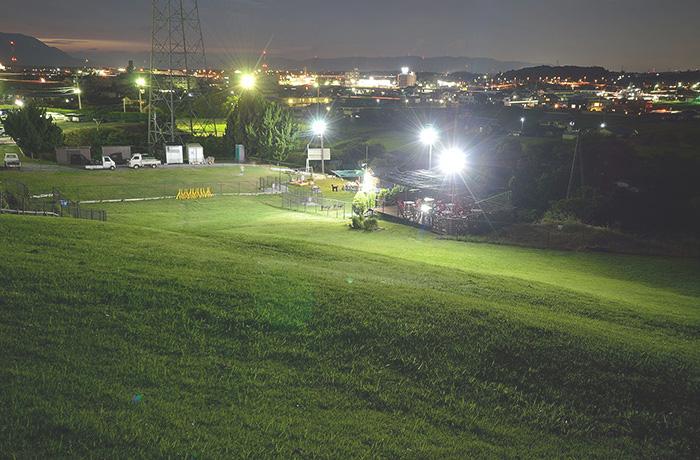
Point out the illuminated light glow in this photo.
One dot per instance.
(405, 70)
(248, 81)
(19, 102)
(603, 125)
(425, 208)
(368, 182)
(453, 161)
(319, 127)
(77, 91)
(428, 135)
(141, 82)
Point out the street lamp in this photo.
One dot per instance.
(141, 84)
(19, 103)
(78, 92)
(453, 161)
(429, 136)
(603, 125)
(248, 81)
(319, 127)
(522, 124)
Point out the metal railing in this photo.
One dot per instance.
(15, 198)
(308, 201)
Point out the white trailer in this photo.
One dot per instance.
(174, 155)
(195, 154)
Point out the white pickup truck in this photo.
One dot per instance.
(141, 161)
(12, 161)
(107, 163)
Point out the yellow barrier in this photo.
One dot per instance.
(194, 193)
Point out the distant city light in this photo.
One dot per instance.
(141, 82)
(405, 70)
(453, 161)
(603, 125)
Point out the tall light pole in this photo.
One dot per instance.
(319, 127)
(78, 92)
(429, 136)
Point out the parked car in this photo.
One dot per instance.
(107, 163)
(12, 161)
(141, 161)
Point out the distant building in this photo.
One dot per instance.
(407, 79)
(73, 155)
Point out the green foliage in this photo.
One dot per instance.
(389, 196)
(267, 129)
(218, 147)
(370, 224)
(97, 138)
(33, 131)
(357, 223)
(360, 204)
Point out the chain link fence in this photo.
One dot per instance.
(15, 198)
(144, 191)
(308, 201)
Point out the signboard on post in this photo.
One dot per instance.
(315, 154)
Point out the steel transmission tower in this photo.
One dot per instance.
(177, 52)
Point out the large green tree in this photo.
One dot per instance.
(33, 131)
(265, 128)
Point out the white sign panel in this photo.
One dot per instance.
(315, 154)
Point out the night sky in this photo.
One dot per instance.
(634, 34)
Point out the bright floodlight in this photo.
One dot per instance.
(405, 70)
(141, 82)
(318, 127)
(453, 161)
(429, 135)
(19, 103)
(522, 120)
(248, 81)
(603, 125)
(368, 182)
(77, 91)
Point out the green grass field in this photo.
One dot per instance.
(232, 328)
(78, 184)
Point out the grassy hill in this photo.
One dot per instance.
(230, 328)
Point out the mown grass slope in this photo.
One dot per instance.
(230, 328)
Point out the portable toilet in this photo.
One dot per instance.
(240, 153)
(174, 155)
(195, 154)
